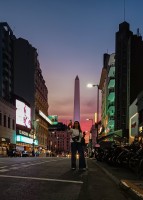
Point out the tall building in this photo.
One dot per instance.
(77, 99)
(7, 107)
(129, 81)
(21, 76)
(107, 85)
(121, 50)
(6, 62)
(135, 64)
(103, 88)
(30, 85)
(111, 94)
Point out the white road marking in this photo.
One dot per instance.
(14, 168)
(39, 163)
(20, 165)
(4, 170)
(42, 179)
(14, 165)
(3, 167)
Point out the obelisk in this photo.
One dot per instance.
(77, 99)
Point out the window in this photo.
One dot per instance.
(8, 122)
(4, 119)
(0, 118)
(13, 124)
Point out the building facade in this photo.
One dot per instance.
(107, 86)
(128, 63)
(121, 95)
(6, 62)
(7, 104)
(58, 140)
(30, 85)
(111, 94)
(7, 126)
(139, 105)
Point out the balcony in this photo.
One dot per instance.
(111, 97)
(111, 110)
(110, 125)
(111, 73)
(111, 84)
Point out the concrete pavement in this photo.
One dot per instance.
(124, 178)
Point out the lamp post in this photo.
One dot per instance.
(34, 134)
(97, 119)
(90, 139)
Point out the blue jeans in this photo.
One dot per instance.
(77, 147)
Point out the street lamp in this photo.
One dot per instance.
(90, 120)
(90, 86)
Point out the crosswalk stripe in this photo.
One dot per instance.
(4, 170)
(20, 165)
(42, 179)
(3, 167)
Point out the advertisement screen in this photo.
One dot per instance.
(23, 114)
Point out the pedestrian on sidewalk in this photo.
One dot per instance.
(76, 145)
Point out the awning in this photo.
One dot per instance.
(105, 137)
(117, 135)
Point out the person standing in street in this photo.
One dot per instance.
(76, 145)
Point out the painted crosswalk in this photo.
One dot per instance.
(4, 170)
(17, 166)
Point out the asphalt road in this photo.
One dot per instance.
(51, 178)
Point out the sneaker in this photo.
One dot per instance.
(73, 168)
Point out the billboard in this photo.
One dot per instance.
(53, 119)
(133, 127)
(23, 114)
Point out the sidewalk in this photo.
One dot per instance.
(126, 179)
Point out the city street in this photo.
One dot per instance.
(50, 178)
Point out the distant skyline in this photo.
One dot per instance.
(71, 37)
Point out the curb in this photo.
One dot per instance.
(133, 191)
(124, 185)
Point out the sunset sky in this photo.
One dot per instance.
(71, 37)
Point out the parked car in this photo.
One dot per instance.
(25, 154)
(14, 153)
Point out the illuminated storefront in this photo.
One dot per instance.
(25, 140)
